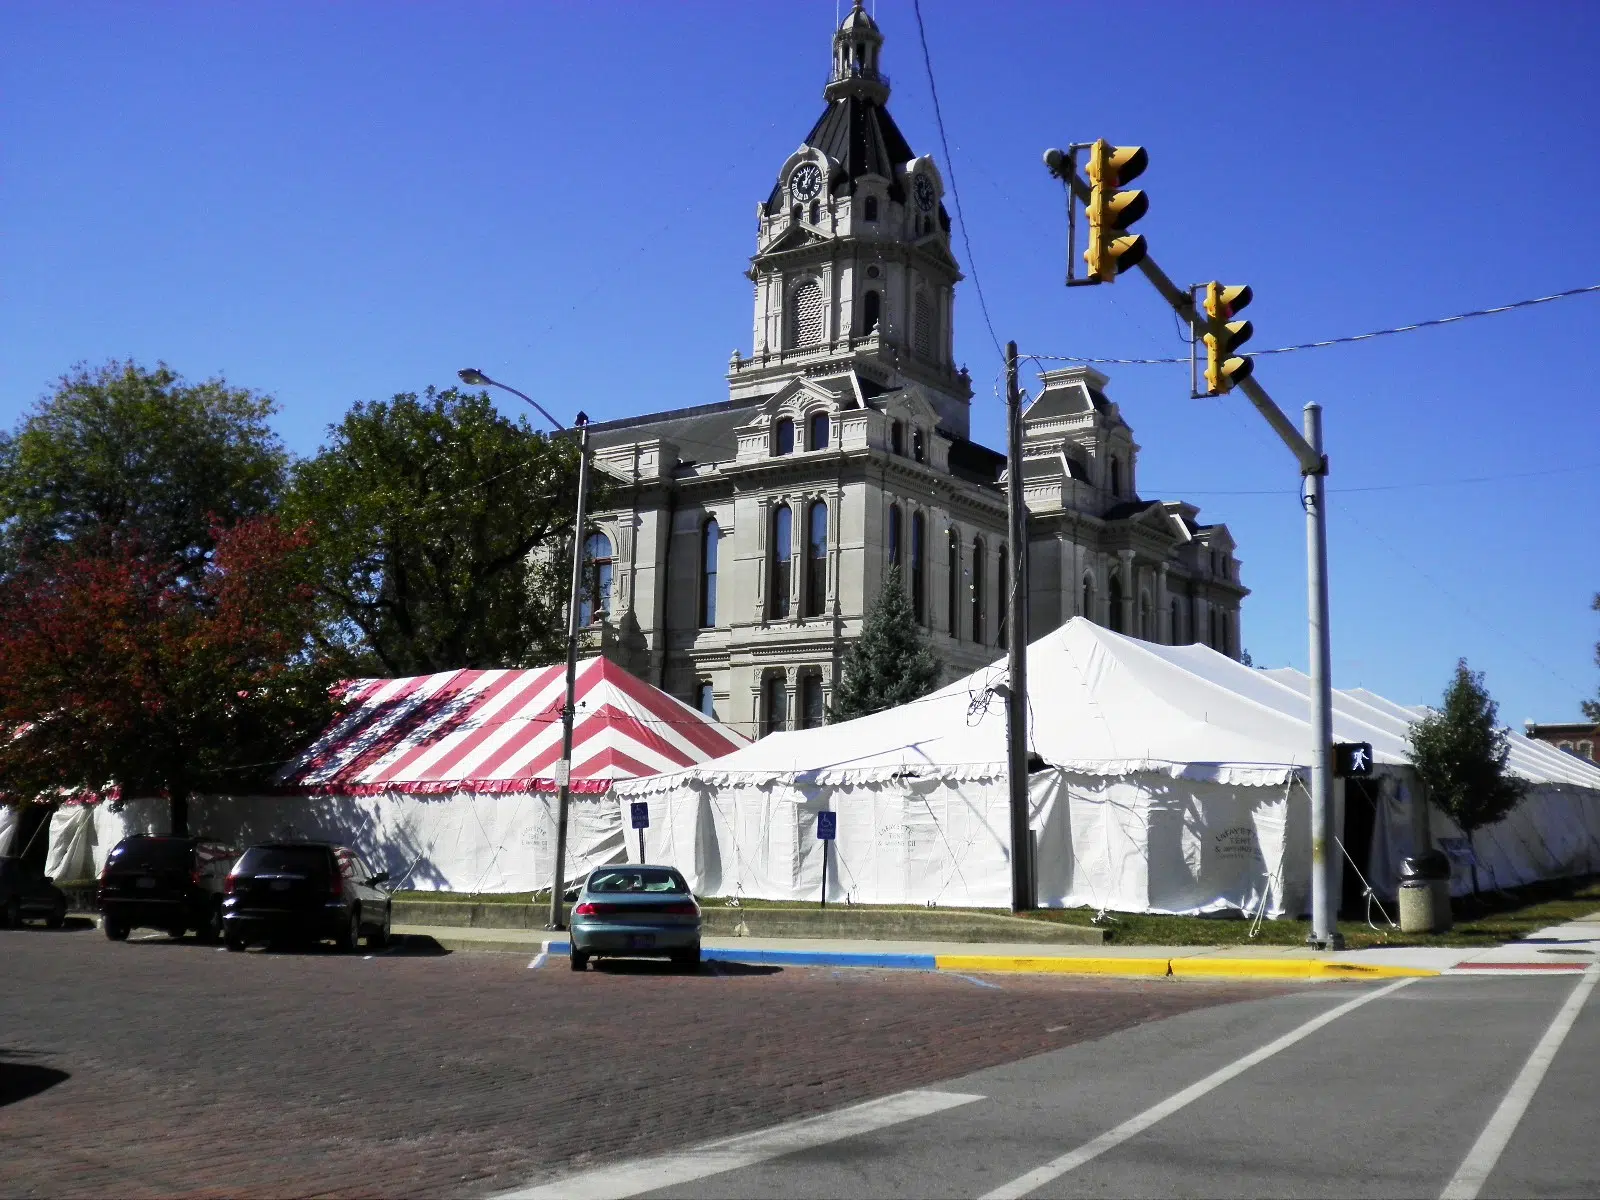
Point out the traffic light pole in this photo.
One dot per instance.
(1023, 893)
(1308, 453)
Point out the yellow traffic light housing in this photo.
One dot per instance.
(1112, 251)
(1224, 336)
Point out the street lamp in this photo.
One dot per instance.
(473, 377)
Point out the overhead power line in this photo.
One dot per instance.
(1338, 341)
(950, 169)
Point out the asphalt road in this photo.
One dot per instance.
(155, 1068)
(1405, 1085)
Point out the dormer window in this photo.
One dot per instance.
(918, 450)
(783, 437)
(819, 431)
(870, 209)
(816, 212)
(871, 308)
(1116, 477)
(897, 438)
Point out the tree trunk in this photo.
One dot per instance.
(178, 805)
(1472, 846)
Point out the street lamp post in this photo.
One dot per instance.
(473, 377)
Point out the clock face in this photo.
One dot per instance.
(806, 182)
(924, 190)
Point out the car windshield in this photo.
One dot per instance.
(636, 879)
(152, 852)
(283, 860)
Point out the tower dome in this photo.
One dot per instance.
(855, 59)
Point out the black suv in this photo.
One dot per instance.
(171, 883)
(305, 891)
(26, 891)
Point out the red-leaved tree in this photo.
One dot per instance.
(119, 671)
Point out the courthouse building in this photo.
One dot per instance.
(751, 535)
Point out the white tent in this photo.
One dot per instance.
(1172, 780)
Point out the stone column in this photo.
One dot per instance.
(791, 698)
(1130, 593)
(1163, 607)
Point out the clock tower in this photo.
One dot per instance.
(853, 272)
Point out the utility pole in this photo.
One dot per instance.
(1023, 892)
(564, 767)
(1114, 251)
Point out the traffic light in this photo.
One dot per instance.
(1110, 251)
(1224, 336)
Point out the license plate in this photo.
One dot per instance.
(147, 882)
(280, 885)
(641, 941)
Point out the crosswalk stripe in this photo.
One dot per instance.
(744, 1150)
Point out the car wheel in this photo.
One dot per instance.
(233, 942)
(580, 960)
(212, 930)
(117, 931)
(350, 936)
(176, 932)
(379, 938)
(58, 916)
(11, 915)
(687, 960)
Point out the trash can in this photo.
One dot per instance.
(1425, 893)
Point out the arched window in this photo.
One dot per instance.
(1212, 624)
(1586, 750)
(919, 530)
(1176, 631)
(922, 327)
(811, 709)
(774, 705)
(595, 599)
(894, 535)
(870, 209)
(783, 436)
(1002, 608)
(919, 450)
(818, 434)
(805, 315)
(705, 699)
(710, 540)
(1088, 596)
(1116, 477)
(816, 559)
(782, 553)
(897, 438)
(1114, 598)
(871, 308)
(977, 590)
(1147, 616)
(816, 212)
(952, 583)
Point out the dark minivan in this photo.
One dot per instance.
(305, 891)
(171, 883)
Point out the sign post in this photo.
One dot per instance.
(639, 810)
(827, 829)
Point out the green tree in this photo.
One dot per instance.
(890, 664)
(1591, 708)
(138, 457)
(428, 510)
(1460, 753)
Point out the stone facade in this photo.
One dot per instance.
(1578, 738)
(752, 535)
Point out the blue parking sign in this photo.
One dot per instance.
(827, 825)
(640, 811)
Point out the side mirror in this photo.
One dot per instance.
(380, 877)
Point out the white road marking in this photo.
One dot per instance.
(538, 960)
(747, 1149)
(979, 982)
(1133, 1126)
(1480, 1161)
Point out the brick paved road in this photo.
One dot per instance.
(193, 1071)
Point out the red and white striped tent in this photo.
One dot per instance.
(500, 731)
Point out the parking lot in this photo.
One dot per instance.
(155, 1067)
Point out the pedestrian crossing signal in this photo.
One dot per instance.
(1352, 760)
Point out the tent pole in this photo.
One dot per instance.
(1022, 866)
(564, 767)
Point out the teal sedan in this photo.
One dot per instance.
(637, 912)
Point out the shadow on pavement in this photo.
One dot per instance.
(657, 966)
(20, 1080)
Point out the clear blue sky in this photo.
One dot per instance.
(333, 202)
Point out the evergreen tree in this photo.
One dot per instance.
(890, 664)
(1460, 753)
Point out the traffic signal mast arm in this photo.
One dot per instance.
(1311, 463)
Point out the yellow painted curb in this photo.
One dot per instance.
(1288, 968)
(1195, 967)
(1054, 964)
